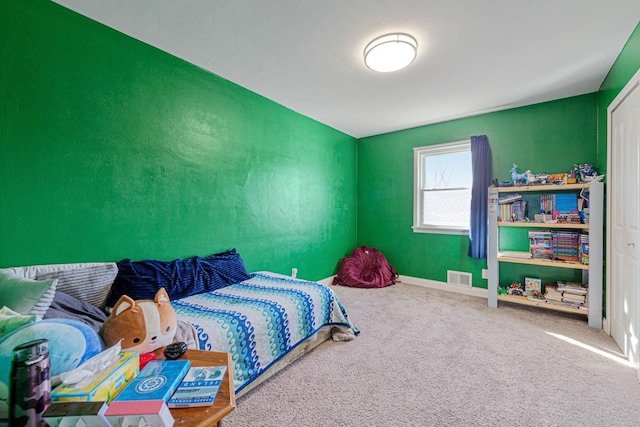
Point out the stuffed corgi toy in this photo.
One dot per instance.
(142, 325)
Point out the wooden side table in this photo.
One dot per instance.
(225, 403)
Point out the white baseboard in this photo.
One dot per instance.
(433, 284)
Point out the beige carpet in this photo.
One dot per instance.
(433, 358)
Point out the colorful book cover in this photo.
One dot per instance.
(156, 381)
(533, 287)
(199, 387)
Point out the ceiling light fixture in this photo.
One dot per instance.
(391, 52)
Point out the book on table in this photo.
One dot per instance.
(144, 399)
(199, 387)
(156, 381)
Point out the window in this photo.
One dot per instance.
(442, 188)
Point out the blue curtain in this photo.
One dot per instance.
(481, 170)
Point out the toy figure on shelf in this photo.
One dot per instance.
(519, 178)
(515, 289)
(557, 178)
(586, 173)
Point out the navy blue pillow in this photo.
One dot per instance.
(180, 277)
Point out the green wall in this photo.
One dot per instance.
(626, 65)
(548, 137)
(111, 149)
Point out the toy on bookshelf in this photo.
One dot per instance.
(586, 173)
(515, 289)
(519, 178)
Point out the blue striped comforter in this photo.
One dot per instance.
(260, 320)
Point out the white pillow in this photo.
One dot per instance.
(26, 296)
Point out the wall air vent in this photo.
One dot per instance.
(458, 278)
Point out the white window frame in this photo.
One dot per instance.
(419, 153)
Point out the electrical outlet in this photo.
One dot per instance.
(294, 272)
(485, 273)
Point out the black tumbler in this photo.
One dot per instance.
(30, 384)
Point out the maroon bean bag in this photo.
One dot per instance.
(365, 268)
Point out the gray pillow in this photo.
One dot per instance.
(67, 307)
(89, 284)
(26, 296)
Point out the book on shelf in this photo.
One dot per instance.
(509, 198)
(566, 202)
(515, 254)
(541, 244)
(566, 245)
(533, 287)
(199, 387)
(574, 297)
(572, 287)
(514, 211)
(577, 292)
(568, 218)
(584, 249)
(574, 301)
(551, 293)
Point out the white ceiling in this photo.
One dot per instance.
(474, 56)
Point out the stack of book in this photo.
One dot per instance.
(541, 244)
(584, 248)
(552, 294)
(144, 400)
(566, 245)
(568, 218)
(573, 293)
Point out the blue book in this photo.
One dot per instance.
(199, 387)
(566, 203)
(156, 381)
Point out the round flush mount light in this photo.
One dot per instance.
(391, 52)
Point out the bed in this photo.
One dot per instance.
(265, 321)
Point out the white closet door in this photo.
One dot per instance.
(624, 220)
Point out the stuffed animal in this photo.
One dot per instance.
(142, 325)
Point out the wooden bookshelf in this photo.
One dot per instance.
(542, 304)
(530, 224)
(591, 273)
(541, 188)
(538, 261)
